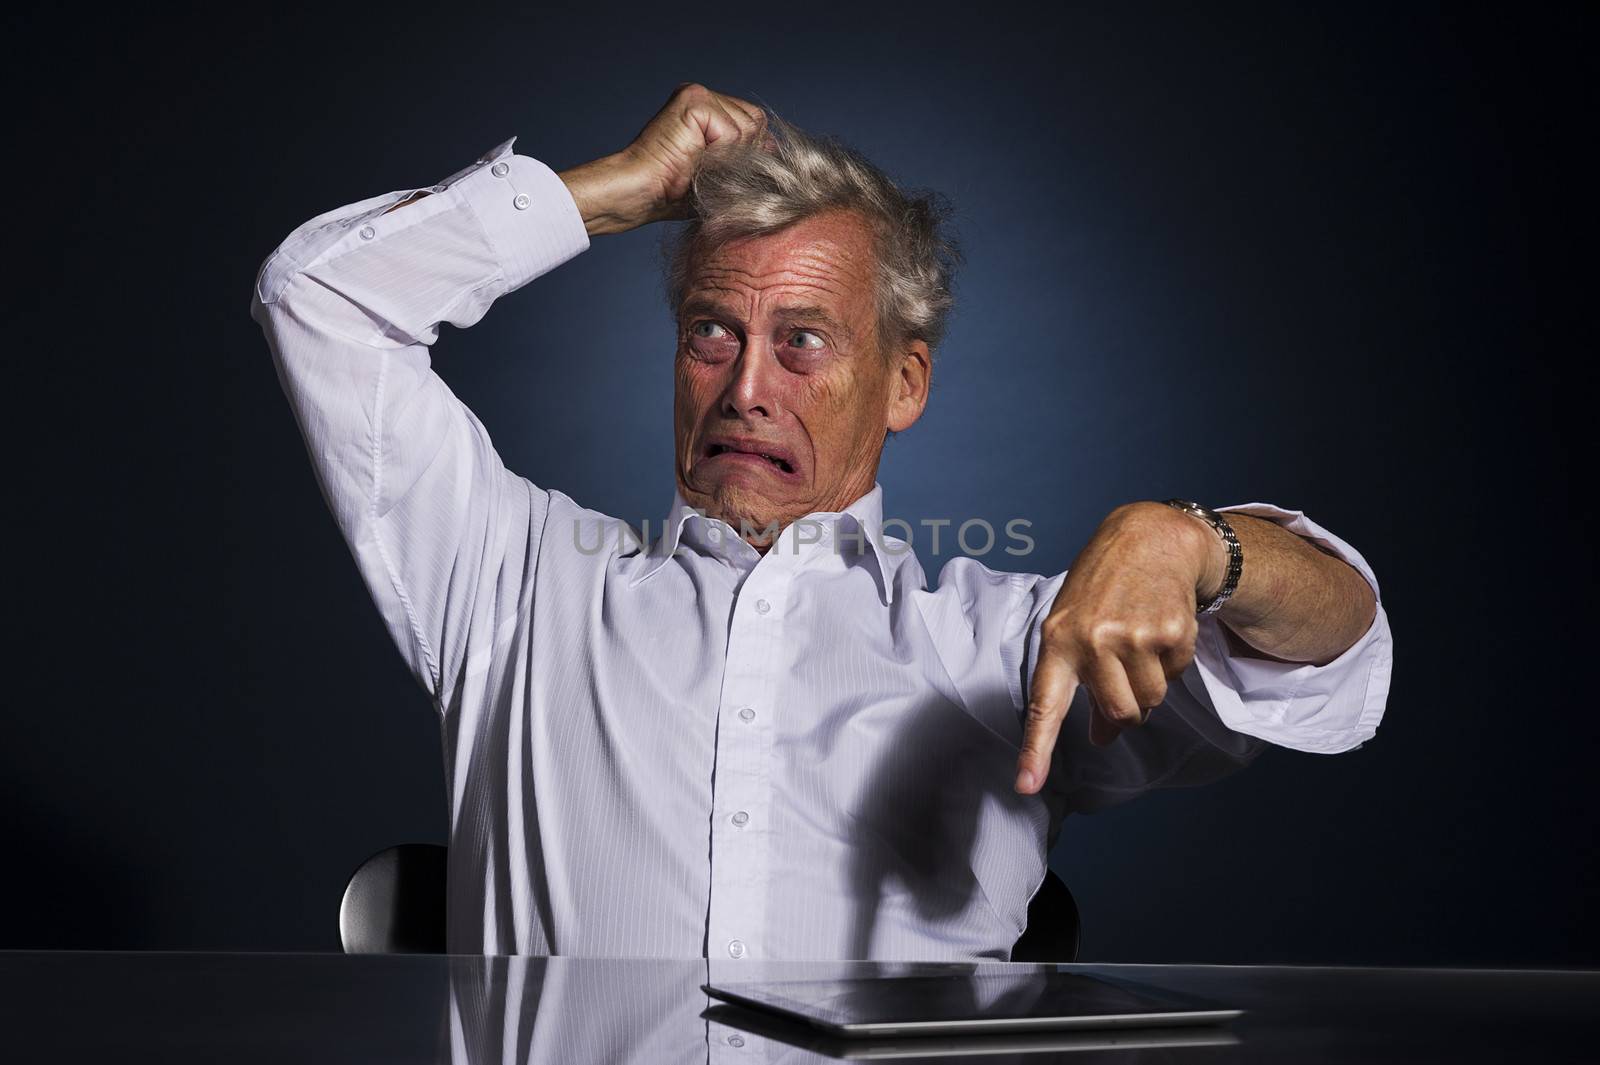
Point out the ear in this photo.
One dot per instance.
(911, 373)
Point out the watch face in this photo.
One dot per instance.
(1191, 507)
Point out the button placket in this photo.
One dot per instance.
(740, 844)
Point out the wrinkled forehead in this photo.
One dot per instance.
(827, 260)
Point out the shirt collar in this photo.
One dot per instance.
(855, 534)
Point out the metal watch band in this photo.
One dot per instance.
(1230, 582)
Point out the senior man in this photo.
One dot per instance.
(761, 734)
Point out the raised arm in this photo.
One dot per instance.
(351, 303)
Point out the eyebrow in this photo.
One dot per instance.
(711, 308)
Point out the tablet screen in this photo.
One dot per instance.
(957, 1002)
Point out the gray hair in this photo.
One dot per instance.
(746, 190)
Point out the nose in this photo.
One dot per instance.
(752, 388)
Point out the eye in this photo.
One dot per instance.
(813, 343)
(708, 330)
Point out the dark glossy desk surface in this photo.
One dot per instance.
(467, 1010)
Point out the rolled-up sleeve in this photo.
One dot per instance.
(1224, 710)
(1322, 709)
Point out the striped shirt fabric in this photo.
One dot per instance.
(680, 747)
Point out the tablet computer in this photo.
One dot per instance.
(1012, 1046)
(970, 1002)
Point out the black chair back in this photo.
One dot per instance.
(394, 902)
(1054, 931)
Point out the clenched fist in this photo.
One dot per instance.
(649, 179)
(1123, 624)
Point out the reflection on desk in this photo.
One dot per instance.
(469, 1010)
(738, 1023)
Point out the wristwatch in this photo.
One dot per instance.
(1230, 582)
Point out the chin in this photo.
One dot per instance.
(735, 502)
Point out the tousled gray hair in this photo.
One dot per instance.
(746, 190)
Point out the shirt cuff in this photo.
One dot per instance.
(1322, 709)
(484, 231)
(527, 212)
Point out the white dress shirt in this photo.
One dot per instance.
(692, 749)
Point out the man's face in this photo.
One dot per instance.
(778, 354)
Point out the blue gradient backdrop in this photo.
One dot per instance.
(1313, 258)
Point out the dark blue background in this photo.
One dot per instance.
(1313, 257)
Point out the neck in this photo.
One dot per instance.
(762, 534)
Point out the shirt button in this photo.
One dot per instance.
(747, 714)
(367, 232)
(736, 948)
(741, 818)
(762, 606)
(522, 201)
(500, 169)
(736, 1041)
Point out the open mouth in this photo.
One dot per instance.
(778, 461)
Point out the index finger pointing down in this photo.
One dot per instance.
(1054, 682)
